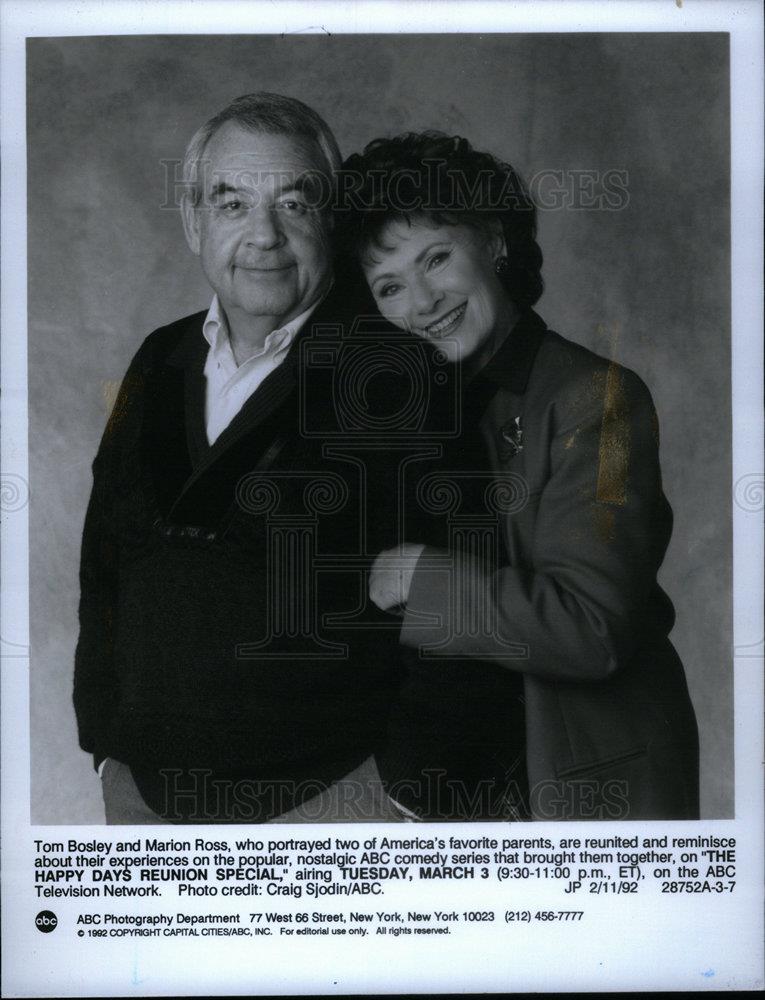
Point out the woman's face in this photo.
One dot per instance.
(439, 282)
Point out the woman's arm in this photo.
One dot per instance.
(577, 610)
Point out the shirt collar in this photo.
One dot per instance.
(216, 332)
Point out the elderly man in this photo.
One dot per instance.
(207, 687)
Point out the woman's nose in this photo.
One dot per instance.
(263, 229)
(425, 297)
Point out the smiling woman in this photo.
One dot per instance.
(441, 229)
(540, 678)
(441, 282)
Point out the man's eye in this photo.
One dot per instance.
(293, 206)
(229, 207)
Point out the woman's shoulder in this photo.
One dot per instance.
(576, 375)
(566, 358)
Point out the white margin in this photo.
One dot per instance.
(88, 17)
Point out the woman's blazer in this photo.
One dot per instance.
(574, 606)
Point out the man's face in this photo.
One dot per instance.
(263, 247)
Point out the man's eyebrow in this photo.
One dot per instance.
(223, 187)
(291, 184)
(302, 182)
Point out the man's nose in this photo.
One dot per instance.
(263, 230)
(425, 296)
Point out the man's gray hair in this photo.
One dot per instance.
(274, 114)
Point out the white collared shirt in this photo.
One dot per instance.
(228, 385)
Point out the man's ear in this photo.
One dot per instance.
(190, 218)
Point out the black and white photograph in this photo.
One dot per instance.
(324, 573)
(385, 463)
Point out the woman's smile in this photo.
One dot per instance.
(444, 326)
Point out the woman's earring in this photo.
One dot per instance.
(501, 265)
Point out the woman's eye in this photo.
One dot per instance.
(387, 290)
(438, 258)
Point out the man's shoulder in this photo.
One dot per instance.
(163, 341)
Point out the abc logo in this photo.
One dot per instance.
(45, 921)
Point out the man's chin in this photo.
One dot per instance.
(266, 303)
(265, 274)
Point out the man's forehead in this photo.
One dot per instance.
(234, 147)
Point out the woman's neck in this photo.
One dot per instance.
(473, 364)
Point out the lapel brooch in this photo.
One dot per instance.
(510, 438)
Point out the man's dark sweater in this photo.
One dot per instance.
(210, 575)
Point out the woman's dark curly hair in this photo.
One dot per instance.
(445, 180)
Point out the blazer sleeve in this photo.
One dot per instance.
(578, 607)
(95, 690)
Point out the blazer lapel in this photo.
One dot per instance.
(507, 372)
(511, 366)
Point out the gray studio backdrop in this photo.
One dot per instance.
(647, 284)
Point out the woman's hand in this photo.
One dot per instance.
(391, 576)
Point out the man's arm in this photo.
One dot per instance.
(93, 668)
(94, 683)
